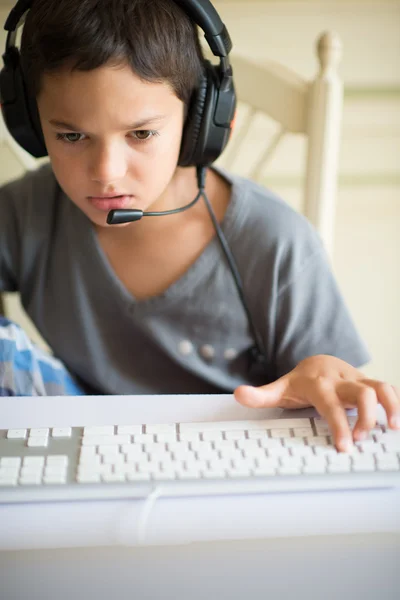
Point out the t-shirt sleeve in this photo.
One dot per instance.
(312, 318)
(27, 209)
(9, 240)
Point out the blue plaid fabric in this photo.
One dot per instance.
(26, 370)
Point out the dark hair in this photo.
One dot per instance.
(155, 37)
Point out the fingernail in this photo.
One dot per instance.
(345, 445)
(360, 435)
(395, 421)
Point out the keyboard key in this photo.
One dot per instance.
(388, 465)
(339, 468)
(37, 441)
(144, 438)
(113, 477)
(214, 474)
(367, 446)
(257, 434)
(289, 470)
(303, 431)
(192, 474)
(325, 451)
(268, 443)
(57, 460)
(114, 459)
(31, 472)
(318, 440)
(30, 479)
(55, 471)
(264, 470)
(303, 451)
(9, 471)
(280, 433)
(278, 451)
(16, 434)
(166, 437)
(291, 461)
(248, 444)
(103, 440)
(33, 461)
(10, 461)
(363, 467)
(211, 436)
(161, 428)
(267, 462)
(87, 477)
(294, 442)
(98, 430)
(129, 429)
(238, 472)
(314, 469)
(104, 450)
(54, 479)
(254, 453)
(321, 427)
(136, 476)
(188, 436)
(35, 432)
(8, 480)
(61, 432)
(234, 435)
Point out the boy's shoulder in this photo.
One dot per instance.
(262, 221)
(35, 185)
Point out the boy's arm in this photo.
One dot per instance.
(312, 318)
(10, 237)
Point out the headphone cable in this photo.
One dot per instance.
(257, 354)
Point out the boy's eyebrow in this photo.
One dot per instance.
(140, 123)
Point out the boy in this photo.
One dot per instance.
(152, 307)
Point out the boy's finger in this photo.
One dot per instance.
(266, 396)
(389, 397)
(366, 410)
(332, 411)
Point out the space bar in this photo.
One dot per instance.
(241, 425)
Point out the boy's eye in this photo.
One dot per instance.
(70, 137)
(144, 134)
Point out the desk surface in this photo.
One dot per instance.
(329, 568)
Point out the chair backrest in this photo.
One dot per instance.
(312, 108)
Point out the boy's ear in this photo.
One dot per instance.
(207, 127)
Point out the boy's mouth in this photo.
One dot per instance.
(107, 203)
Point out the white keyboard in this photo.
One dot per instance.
(66, 463)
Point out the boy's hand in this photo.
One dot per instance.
(330, 385)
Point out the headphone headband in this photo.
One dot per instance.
(202, 12)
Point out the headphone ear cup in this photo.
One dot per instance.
(208, 124)
(18, 108)
(193, 125)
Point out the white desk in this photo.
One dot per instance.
(244, 544)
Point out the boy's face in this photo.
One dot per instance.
(110, 134)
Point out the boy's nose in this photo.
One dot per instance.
(108, 164)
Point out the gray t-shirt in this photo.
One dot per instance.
(194, 337)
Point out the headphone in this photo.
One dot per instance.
(211, 112)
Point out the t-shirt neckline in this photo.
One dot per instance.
(194, 275)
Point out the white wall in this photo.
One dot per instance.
(368, 210)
